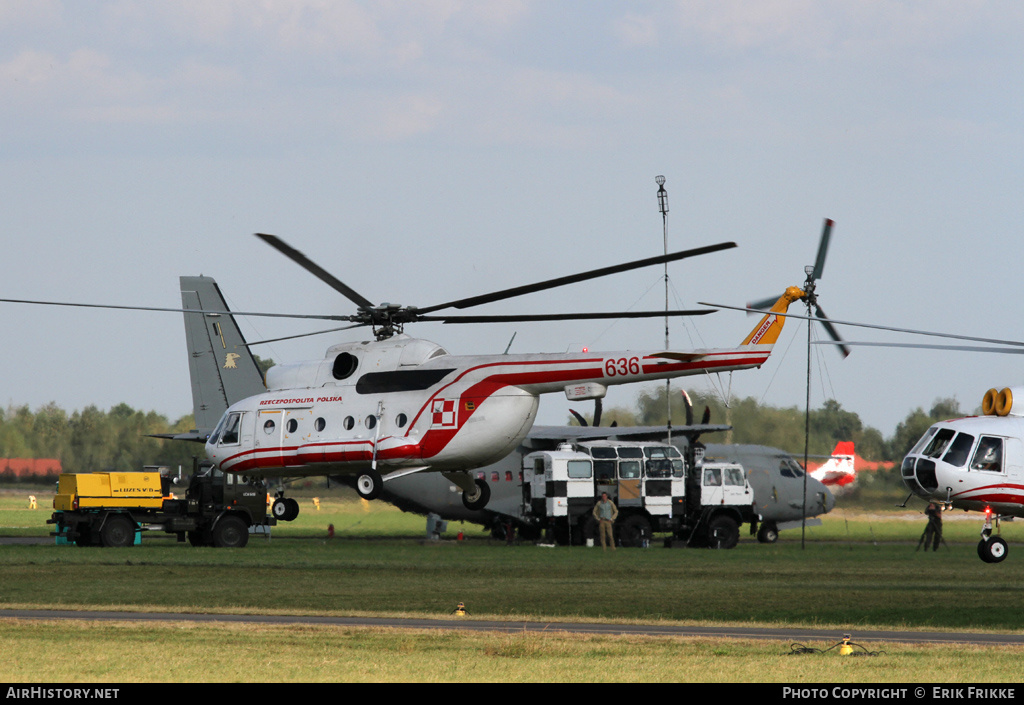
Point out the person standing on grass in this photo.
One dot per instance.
(606, 513)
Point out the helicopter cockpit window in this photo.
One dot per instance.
(989, 456)
(215, 436)
(921, 443)
(940, 441)
(959, 449)
(229, 437)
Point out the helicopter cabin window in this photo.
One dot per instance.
(269, 426)
(371, 422)
(349, 423)
(734, 477)
(939, 443)
(579, 469)
(401, 420)
(292, 425)
(989, 456)
(712, 477)
(320, 424)
(629, 469)
(959, 450)
(229, 437)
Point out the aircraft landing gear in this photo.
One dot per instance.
(478, 498)
(284, 508)
(369, 484)
(991, 549)
(768, 533)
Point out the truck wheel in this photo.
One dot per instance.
(118, 531)
(635, 530)
(768, 533)
(478, 499)
(230, 532)
(723, 532)
(369, 484)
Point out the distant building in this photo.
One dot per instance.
(21, 468)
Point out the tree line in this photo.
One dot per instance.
(91, 439)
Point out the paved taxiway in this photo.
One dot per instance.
(469, 624)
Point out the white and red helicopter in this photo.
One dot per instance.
(397, 405)
(974, 463)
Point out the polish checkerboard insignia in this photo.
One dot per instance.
(443, 411)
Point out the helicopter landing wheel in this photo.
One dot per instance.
(369, 484)
(992, 549)
(285, 509)
(480, 498)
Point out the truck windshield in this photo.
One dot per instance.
(734, 477)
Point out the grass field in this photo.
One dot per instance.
(858, 570)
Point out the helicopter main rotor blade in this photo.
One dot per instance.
(319, 317)
(762, 305)
(831, 330)
(874, 327)
(315, 269)
(573, 278)
(928, 346)
(516, 318)
(304, 335)
(819, 263)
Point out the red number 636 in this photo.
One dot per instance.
(622, 366)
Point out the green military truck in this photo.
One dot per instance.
(113, 508)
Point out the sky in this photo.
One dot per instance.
(429, 151)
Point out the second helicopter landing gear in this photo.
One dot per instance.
(991, 549)
(284, 508)
(476, 493)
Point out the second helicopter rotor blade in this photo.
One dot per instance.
(517, 318)
(573, 278)
(831, 330)
(819, 262)
(315, 269)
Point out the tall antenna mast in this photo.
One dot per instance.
(663, 207)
